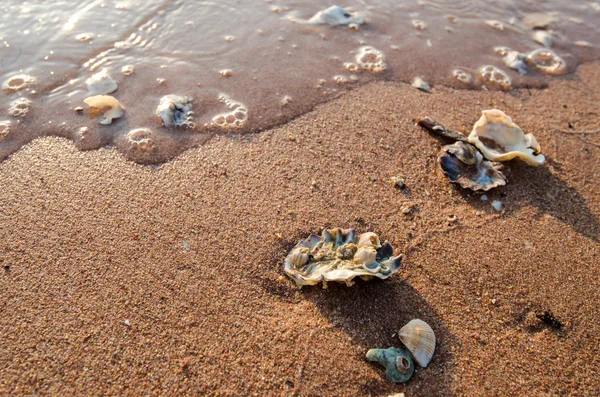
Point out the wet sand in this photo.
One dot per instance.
(100, 293)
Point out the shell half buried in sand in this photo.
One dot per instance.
(499, 139)
(399, 366)
(463, 164)
(105, 107)
(419, 338)
(336, 256)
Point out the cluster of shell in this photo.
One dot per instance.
(419, 339)
(339, 255)
(472, 161)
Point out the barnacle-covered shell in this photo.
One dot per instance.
(499, 139)
(334, 256)
(336, 15)
(399, 366)
(101, 83)
(419, 338)
(463, 164)
(175, 110)
(105, 107)
(368, 238)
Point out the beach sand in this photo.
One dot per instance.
(123, 279)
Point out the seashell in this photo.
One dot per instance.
(101, 83)
(175, 110)
(299, 256)
(367, 239)
(496, 76)
(499, 139)
(543, 37)
(19, 82)
(365, 256)
(334, 256)
(495, 24)
(399, 366)
(463, 164)
(513, 59)
(335, 16)
(419, 338)
(421, 84)
(104, 106)
(547, 61)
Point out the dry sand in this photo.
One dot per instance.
(98, 295)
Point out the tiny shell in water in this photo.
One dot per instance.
(499, 139)
(101, 83)
(105, 107)
(419, 338)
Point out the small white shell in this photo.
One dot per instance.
(336, 15)
(419, 338)
(499, 139)
(105, 106)
(421, 84)
(365, 256)
(368, 239)
(299, 256)
(101, 83)
(543, 37)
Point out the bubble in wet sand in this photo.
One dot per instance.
(176, 110)
(141, 140)
(352, 67)
(371, 59)
(19, 82)
(340, 79)
(4, 129)
(19, 107)
(462, 76)
(496, 76)
(236, 118)
(547, 61)
(101, 83)
(495, 24)
(127, 70)
(418, 24)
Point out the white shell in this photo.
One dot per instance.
(365, 256)
(419, 338)
(299, 256)
(499, 139)
(175, 110)
(542, 37)
(336, 15)
(105, 106)
(421, 84)
(368, 239)
(101, 83)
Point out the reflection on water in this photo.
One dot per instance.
(265, 58)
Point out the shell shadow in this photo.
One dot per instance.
(371, 313)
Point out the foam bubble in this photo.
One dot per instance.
(547, 61)
(371, 59)
(462, 76)
(340, 79)
(236, 118)
(352, 67)
(19, 107)
(19, 82)
(496, 76)
(141, 140)
(495, 24)
(4, 129)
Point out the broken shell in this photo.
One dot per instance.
(334, 256)
(419, 338)
(101, 83)
(547, 61)
(105, 106)
(463, 164)
(175, 110)
(19, 82)
(399, 366)
(368, 239)
(299, 256)
(499, 139)
(336, 15)
(365, 256)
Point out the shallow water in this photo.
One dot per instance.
(260, 56)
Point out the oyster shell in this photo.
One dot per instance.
(399, 366)
(334, 256)
(175, 110)
(499, 139)
(336, 15)
(419, 338)
(105, 106)
(463, 164)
